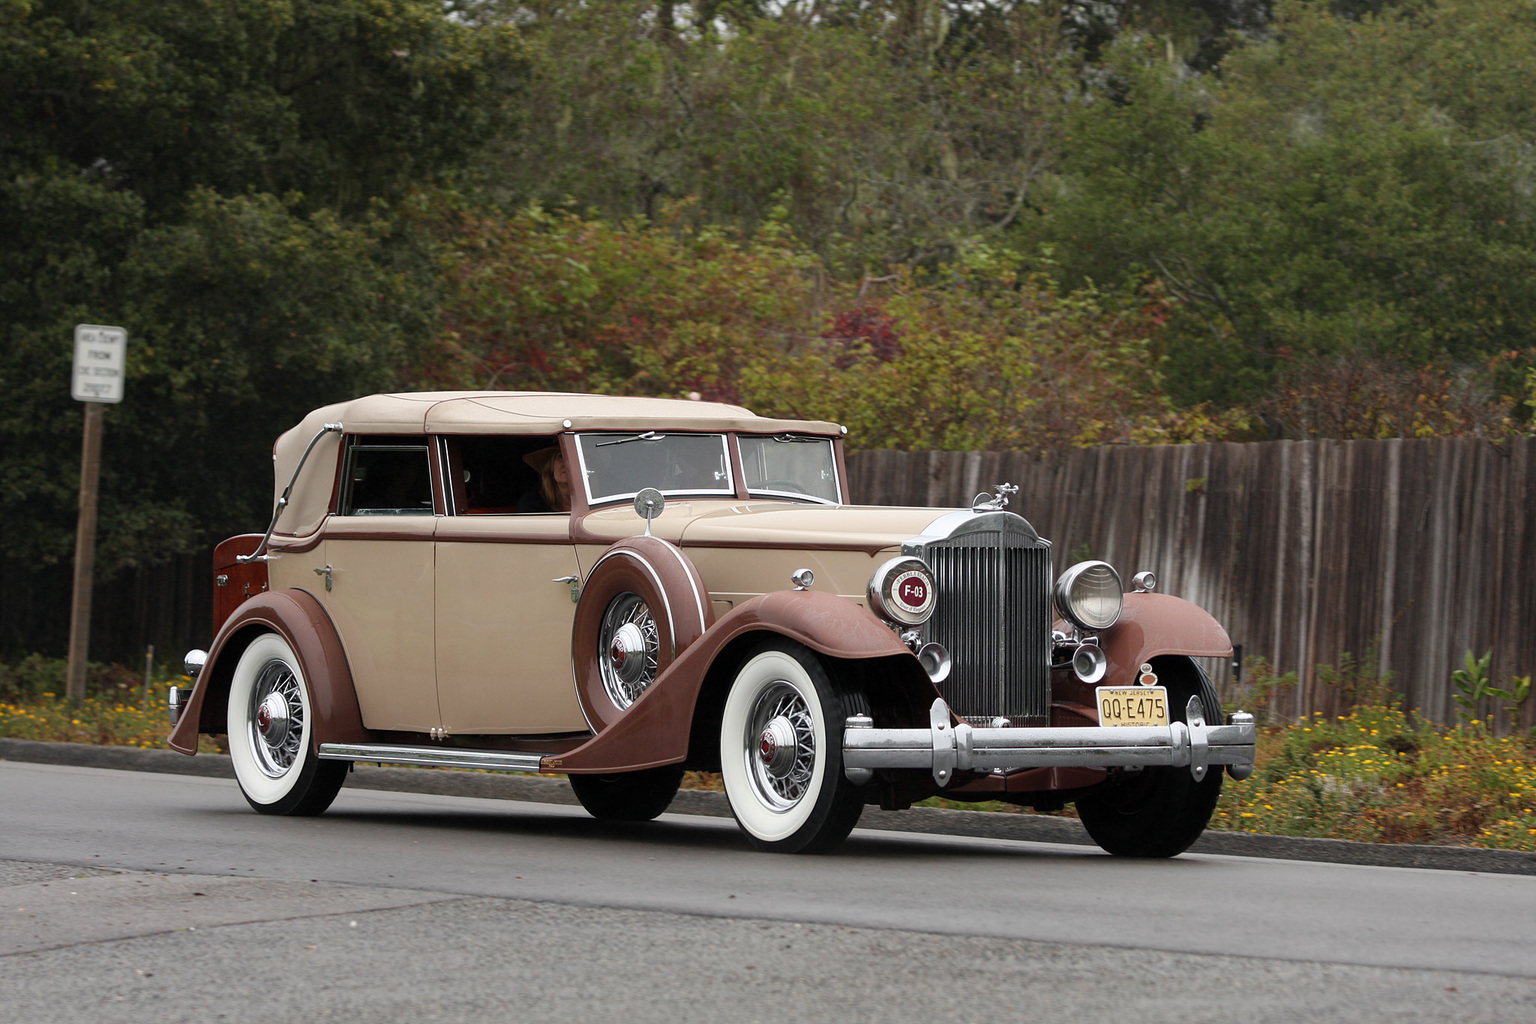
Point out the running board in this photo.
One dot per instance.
(435, 757)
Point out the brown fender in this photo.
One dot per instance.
(299, 619)
(655, 730)
(1154, 624)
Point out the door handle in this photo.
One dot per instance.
(326, 572)
(575, 582)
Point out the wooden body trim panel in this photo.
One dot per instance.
(235, 582)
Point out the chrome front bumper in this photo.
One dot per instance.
(944, 748)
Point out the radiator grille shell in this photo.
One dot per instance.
(993, 613)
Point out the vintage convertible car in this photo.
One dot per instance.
(694, 591)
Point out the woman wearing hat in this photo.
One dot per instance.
(554, 493)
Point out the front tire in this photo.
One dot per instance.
(781, 752)
(1160, 811)
(628, 796)
(271, 729)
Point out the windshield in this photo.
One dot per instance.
(790, 465)
(617, 466)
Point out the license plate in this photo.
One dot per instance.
(1133, 705)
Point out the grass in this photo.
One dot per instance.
(1375, 774)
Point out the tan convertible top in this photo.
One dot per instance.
(488, 412)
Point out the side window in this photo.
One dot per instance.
(492, 474)
(387, 476)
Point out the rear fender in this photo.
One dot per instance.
(657, 728)
(299, 619)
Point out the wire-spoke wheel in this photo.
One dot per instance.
(628, 649)
(271, 733)
(781, 752)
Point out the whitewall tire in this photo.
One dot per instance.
(271, 733)
(781, 759)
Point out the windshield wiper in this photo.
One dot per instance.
(649, 435)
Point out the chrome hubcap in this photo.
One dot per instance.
(781, 747)
(276, 733)
(628, 649)
(272, 719)
(776, 747)
(627, 653)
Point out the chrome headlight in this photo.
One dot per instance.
(1089, 594)
(902, 591)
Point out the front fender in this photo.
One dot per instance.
(655, 730)
(1154, 624)
(300, 620)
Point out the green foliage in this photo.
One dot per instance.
(554, 301)
(1260, 688)
(339, 100)
(113, 713)
(1377, 774)
(877, 132)
(215, 177)
(1346, 189)
(1474, 684)
(992, 359)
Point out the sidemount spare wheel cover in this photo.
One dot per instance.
(271, 733)
(641, 606)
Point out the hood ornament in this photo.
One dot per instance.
(985, 502)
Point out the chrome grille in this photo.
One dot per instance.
(993, 613)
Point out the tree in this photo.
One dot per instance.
(217, 178)
(553, 301)
(881, 131)
(1336, 191)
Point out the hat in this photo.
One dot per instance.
(541, 459)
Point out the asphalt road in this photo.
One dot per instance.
(137, 896)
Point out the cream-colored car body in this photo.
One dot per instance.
(461, 624)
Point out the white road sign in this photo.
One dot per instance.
(99, 362)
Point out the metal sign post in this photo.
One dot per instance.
(98, 380)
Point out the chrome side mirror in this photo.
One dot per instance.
(648, 505)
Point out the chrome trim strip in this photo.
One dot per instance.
(698, 598)
(436, 757)
(944, 749)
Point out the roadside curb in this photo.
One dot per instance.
(1034, 828)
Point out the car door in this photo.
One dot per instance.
(504, 604)
(377, 564)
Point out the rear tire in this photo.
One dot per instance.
(781, 752)
(1160, 811)
(629, 796)
(271, 728)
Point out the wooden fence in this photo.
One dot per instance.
(1415, 551)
